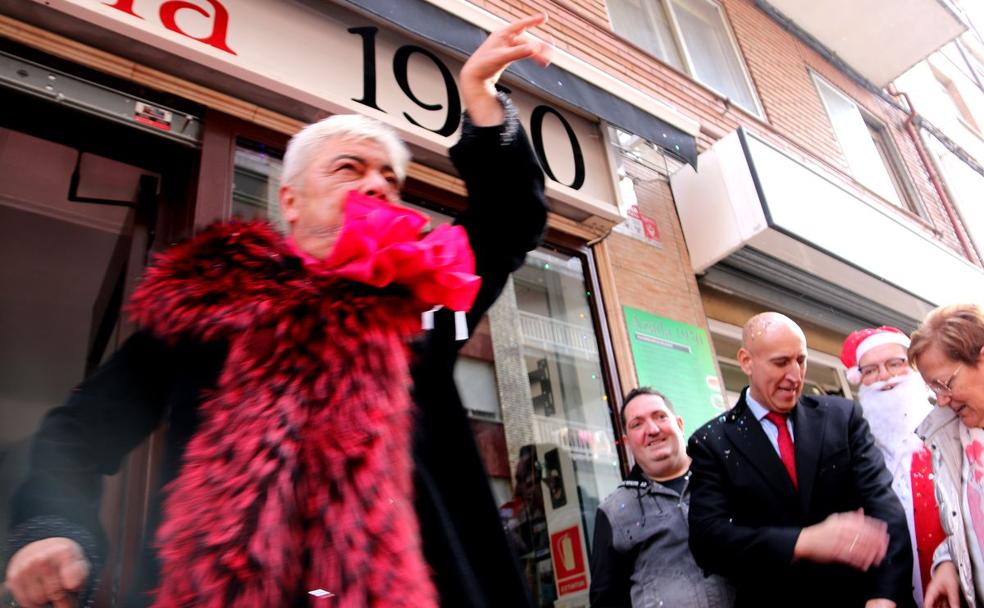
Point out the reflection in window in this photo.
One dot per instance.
(556, 414)
(255, 184)
(690, 35)
(483, 395)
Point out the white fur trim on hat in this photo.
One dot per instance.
(883, 337)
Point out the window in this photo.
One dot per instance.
(646, 24)
(870, 155)
(965, 186)
(887, 156)
(950, 96)
(255, 182)
(557, 391)
(690, 35)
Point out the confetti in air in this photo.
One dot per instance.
(320, 593)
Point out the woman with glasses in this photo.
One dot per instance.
(948, 351)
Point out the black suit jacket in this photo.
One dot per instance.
(745, 514)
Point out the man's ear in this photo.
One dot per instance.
(680, 422)
(745, 360)
(288, 203)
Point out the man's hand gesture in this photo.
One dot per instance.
(848, 538)
(47, 572)
(482, 70)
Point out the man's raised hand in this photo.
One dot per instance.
(482, 70)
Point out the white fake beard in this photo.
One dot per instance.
(894, 414)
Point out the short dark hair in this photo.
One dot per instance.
(644, 390)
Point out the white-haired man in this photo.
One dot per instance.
(297, 466)
(894, 401)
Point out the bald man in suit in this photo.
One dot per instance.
(791, 500)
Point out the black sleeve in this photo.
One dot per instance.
(611, 571)
(104, 418)
(507, 213)
(893, 578)
(719, 545)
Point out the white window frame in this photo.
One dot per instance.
(677, 34)
(908, 198)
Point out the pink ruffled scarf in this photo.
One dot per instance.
(380, 245)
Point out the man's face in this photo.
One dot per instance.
(775, 363)
(313, 208)
(882, 363)
(655, 436)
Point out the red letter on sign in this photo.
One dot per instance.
(219, 29)
(124, 5)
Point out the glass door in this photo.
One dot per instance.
(82, 203)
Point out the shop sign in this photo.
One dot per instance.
(341, 62)
(167, 13)
(639, 226)
(675, 358)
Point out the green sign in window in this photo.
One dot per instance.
(675, 358)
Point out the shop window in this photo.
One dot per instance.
(690, 35)
(870, 155)
(557, 420)
(255, 182)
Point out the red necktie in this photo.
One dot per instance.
(926, 519)
(785, 444)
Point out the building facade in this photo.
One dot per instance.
(706, 160)
(946, 95)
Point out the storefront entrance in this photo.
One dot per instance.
(83, 200)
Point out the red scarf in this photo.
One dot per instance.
(300, 475)
(925, 513)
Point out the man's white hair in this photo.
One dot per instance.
(304, 146)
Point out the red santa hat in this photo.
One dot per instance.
(862, 341)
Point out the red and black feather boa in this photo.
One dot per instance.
(299, 477)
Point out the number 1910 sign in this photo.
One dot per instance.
(401, 62)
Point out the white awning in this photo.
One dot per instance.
(750, 201)
(881, 39)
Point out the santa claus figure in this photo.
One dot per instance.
(895, 400)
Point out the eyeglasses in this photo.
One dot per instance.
(943, 389)
(893, 366)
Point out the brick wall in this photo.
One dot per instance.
(779, 65)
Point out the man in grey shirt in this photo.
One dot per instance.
(641, 556)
